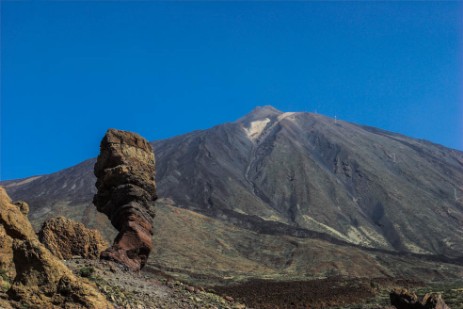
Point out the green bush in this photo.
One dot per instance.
(3, 275)
(86, 272)
(5, 281)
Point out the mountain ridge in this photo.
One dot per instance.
(295, 174)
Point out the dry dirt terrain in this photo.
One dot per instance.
(155, 289)
(148, 289)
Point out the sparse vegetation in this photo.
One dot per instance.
(4, 275)
(452, 293)
(148, 289)
(86, 272)
(4, 285)
(5, 281)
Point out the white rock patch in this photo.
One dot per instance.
(325, 228)
(285, 115)
(256, 128)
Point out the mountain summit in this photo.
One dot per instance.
(259, 113)
(295, 175)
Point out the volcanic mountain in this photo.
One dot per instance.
(263, 190)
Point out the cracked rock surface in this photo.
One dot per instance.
(125, 172)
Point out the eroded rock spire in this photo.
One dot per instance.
(126, 191)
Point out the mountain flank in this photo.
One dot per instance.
(259, 194)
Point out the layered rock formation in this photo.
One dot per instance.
(66, 238)
(404, 299)
(126, 191)
(37, 279)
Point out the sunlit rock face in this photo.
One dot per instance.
(66, 238)
(125, 172)
(37, 278)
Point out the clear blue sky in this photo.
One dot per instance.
(70, 70)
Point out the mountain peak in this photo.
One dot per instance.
(261, 112)
(266, 109)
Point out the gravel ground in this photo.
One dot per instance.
(147, 290)
(154, 289)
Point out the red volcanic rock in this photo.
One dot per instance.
(126, 191)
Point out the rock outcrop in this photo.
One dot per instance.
(23, 207)
(66, 238)
(434, 301)
(404, 299)
(126, 191)
(38, 279)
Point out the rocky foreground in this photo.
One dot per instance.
(31, 275)
(34, 277)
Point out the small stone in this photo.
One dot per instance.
(190, 289)
(228, 298)
(170, 283)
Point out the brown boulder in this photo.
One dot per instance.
(38, 279)
(66, 238)
(126, 190)
(404, 299)
(434, 300)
